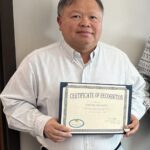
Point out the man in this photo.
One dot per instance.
(31, 98)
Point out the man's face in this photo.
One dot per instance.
(81, 24)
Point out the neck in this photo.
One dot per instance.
(85, 57)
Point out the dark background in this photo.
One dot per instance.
(9, 139)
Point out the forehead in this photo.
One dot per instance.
(83, 5)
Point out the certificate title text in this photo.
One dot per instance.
(96, 95)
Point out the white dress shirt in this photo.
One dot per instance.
(31, 97)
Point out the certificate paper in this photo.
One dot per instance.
(95, 108)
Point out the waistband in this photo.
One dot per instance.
(43, 148)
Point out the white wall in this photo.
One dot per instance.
(126, 25)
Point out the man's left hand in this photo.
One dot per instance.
(133, 127)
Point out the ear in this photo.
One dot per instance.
(59, 21)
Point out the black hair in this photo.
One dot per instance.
(63, 3)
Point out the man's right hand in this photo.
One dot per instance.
(56, 132)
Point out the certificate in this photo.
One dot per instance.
(95, 108)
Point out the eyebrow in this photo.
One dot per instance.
(78, 11)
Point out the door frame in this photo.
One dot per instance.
(10, 139)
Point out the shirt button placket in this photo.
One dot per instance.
(88, 143)
(86, 74)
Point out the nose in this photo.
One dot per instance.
(84, 22)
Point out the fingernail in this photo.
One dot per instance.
(126, 129)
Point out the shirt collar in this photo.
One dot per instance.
(73, 53)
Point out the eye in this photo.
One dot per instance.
(93, 17)
(76, 16)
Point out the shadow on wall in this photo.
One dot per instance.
(132, 45)
(136, 142)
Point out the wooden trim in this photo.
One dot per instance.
(1, 130)
(11, 138)
(1, 87)
(8, 42)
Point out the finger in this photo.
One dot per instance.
(126, 130)
(62, 128)
(56, 138)
(53, 132)
(133, 128)
(133, 125)
(56, 132)
(133, 131)
(134, 122)
(62, 134)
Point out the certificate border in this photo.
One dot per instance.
(127, 110)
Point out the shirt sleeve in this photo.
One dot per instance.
(19, 99)
(147, 93)
(138, 85)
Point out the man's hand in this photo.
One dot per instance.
(133, 127)
(56, 132)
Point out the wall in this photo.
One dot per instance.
(126, 25)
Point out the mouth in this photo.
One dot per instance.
(85, 33)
